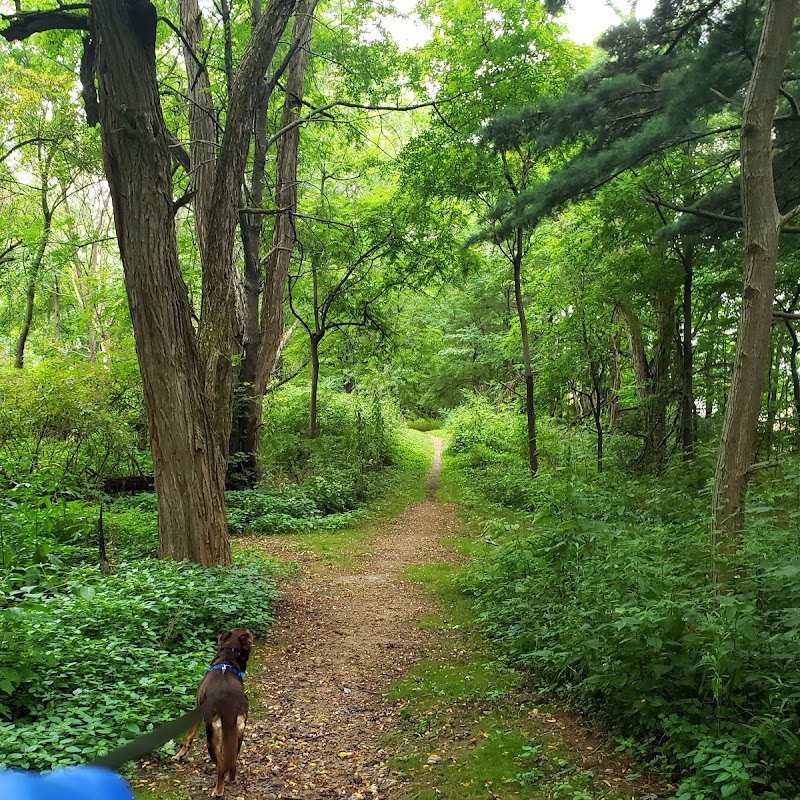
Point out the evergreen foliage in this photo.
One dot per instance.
(672, 79)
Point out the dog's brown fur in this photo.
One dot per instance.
(224, 707)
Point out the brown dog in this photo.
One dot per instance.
(221, 694)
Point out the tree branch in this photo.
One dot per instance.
(792, 102)
(34, 140)
(699, 212)
(26, 23)
(789, 215)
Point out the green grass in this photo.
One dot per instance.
(161, 793)
(471, 679)
(425, 424)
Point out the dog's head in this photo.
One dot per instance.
(240, 639)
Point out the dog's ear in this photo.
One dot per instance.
(223, 637)
(246, 639)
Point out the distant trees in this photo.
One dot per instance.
(490, 59)
(606, 199)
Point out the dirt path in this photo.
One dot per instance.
(318, 715)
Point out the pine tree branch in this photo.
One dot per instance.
(686, 27)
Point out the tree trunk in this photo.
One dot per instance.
(83, 284)
(656, 428)
(709, 370)
(260, 349)
(651, 378)
(218, 319)
(33, 277)
(762, 225)
(202, 122)
(313, 426)
(189, 470)
(616, 385)
(243, 468)
(56, 311)
(794, 369)
(641, 369)
(91, 334)
(283, 234)
(773, 379)
(530, 409)
(687, 359)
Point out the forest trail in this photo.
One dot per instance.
(342, 634)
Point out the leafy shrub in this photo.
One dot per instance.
(69, 424)
(102, 659)
(477, 424)
(357, 436)
(40, 536)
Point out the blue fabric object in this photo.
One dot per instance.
(72, 783)
(227, 668)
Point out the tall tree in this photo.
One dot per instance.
(763, 221)
(187, 377)
(262, 333)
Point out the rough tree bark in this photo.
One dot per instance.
(137, 160)
(762, 226)
(187, 380)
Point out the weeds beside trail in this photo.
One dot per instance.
(369, 686)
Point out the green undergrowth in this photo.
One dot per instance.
(472, 727)
(600, 587)
(100, 659)
(363, 453)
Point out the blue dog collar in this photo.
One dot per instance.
(227, 668)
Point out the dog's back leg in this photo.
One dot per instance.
(214, 740)
(241, 720)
